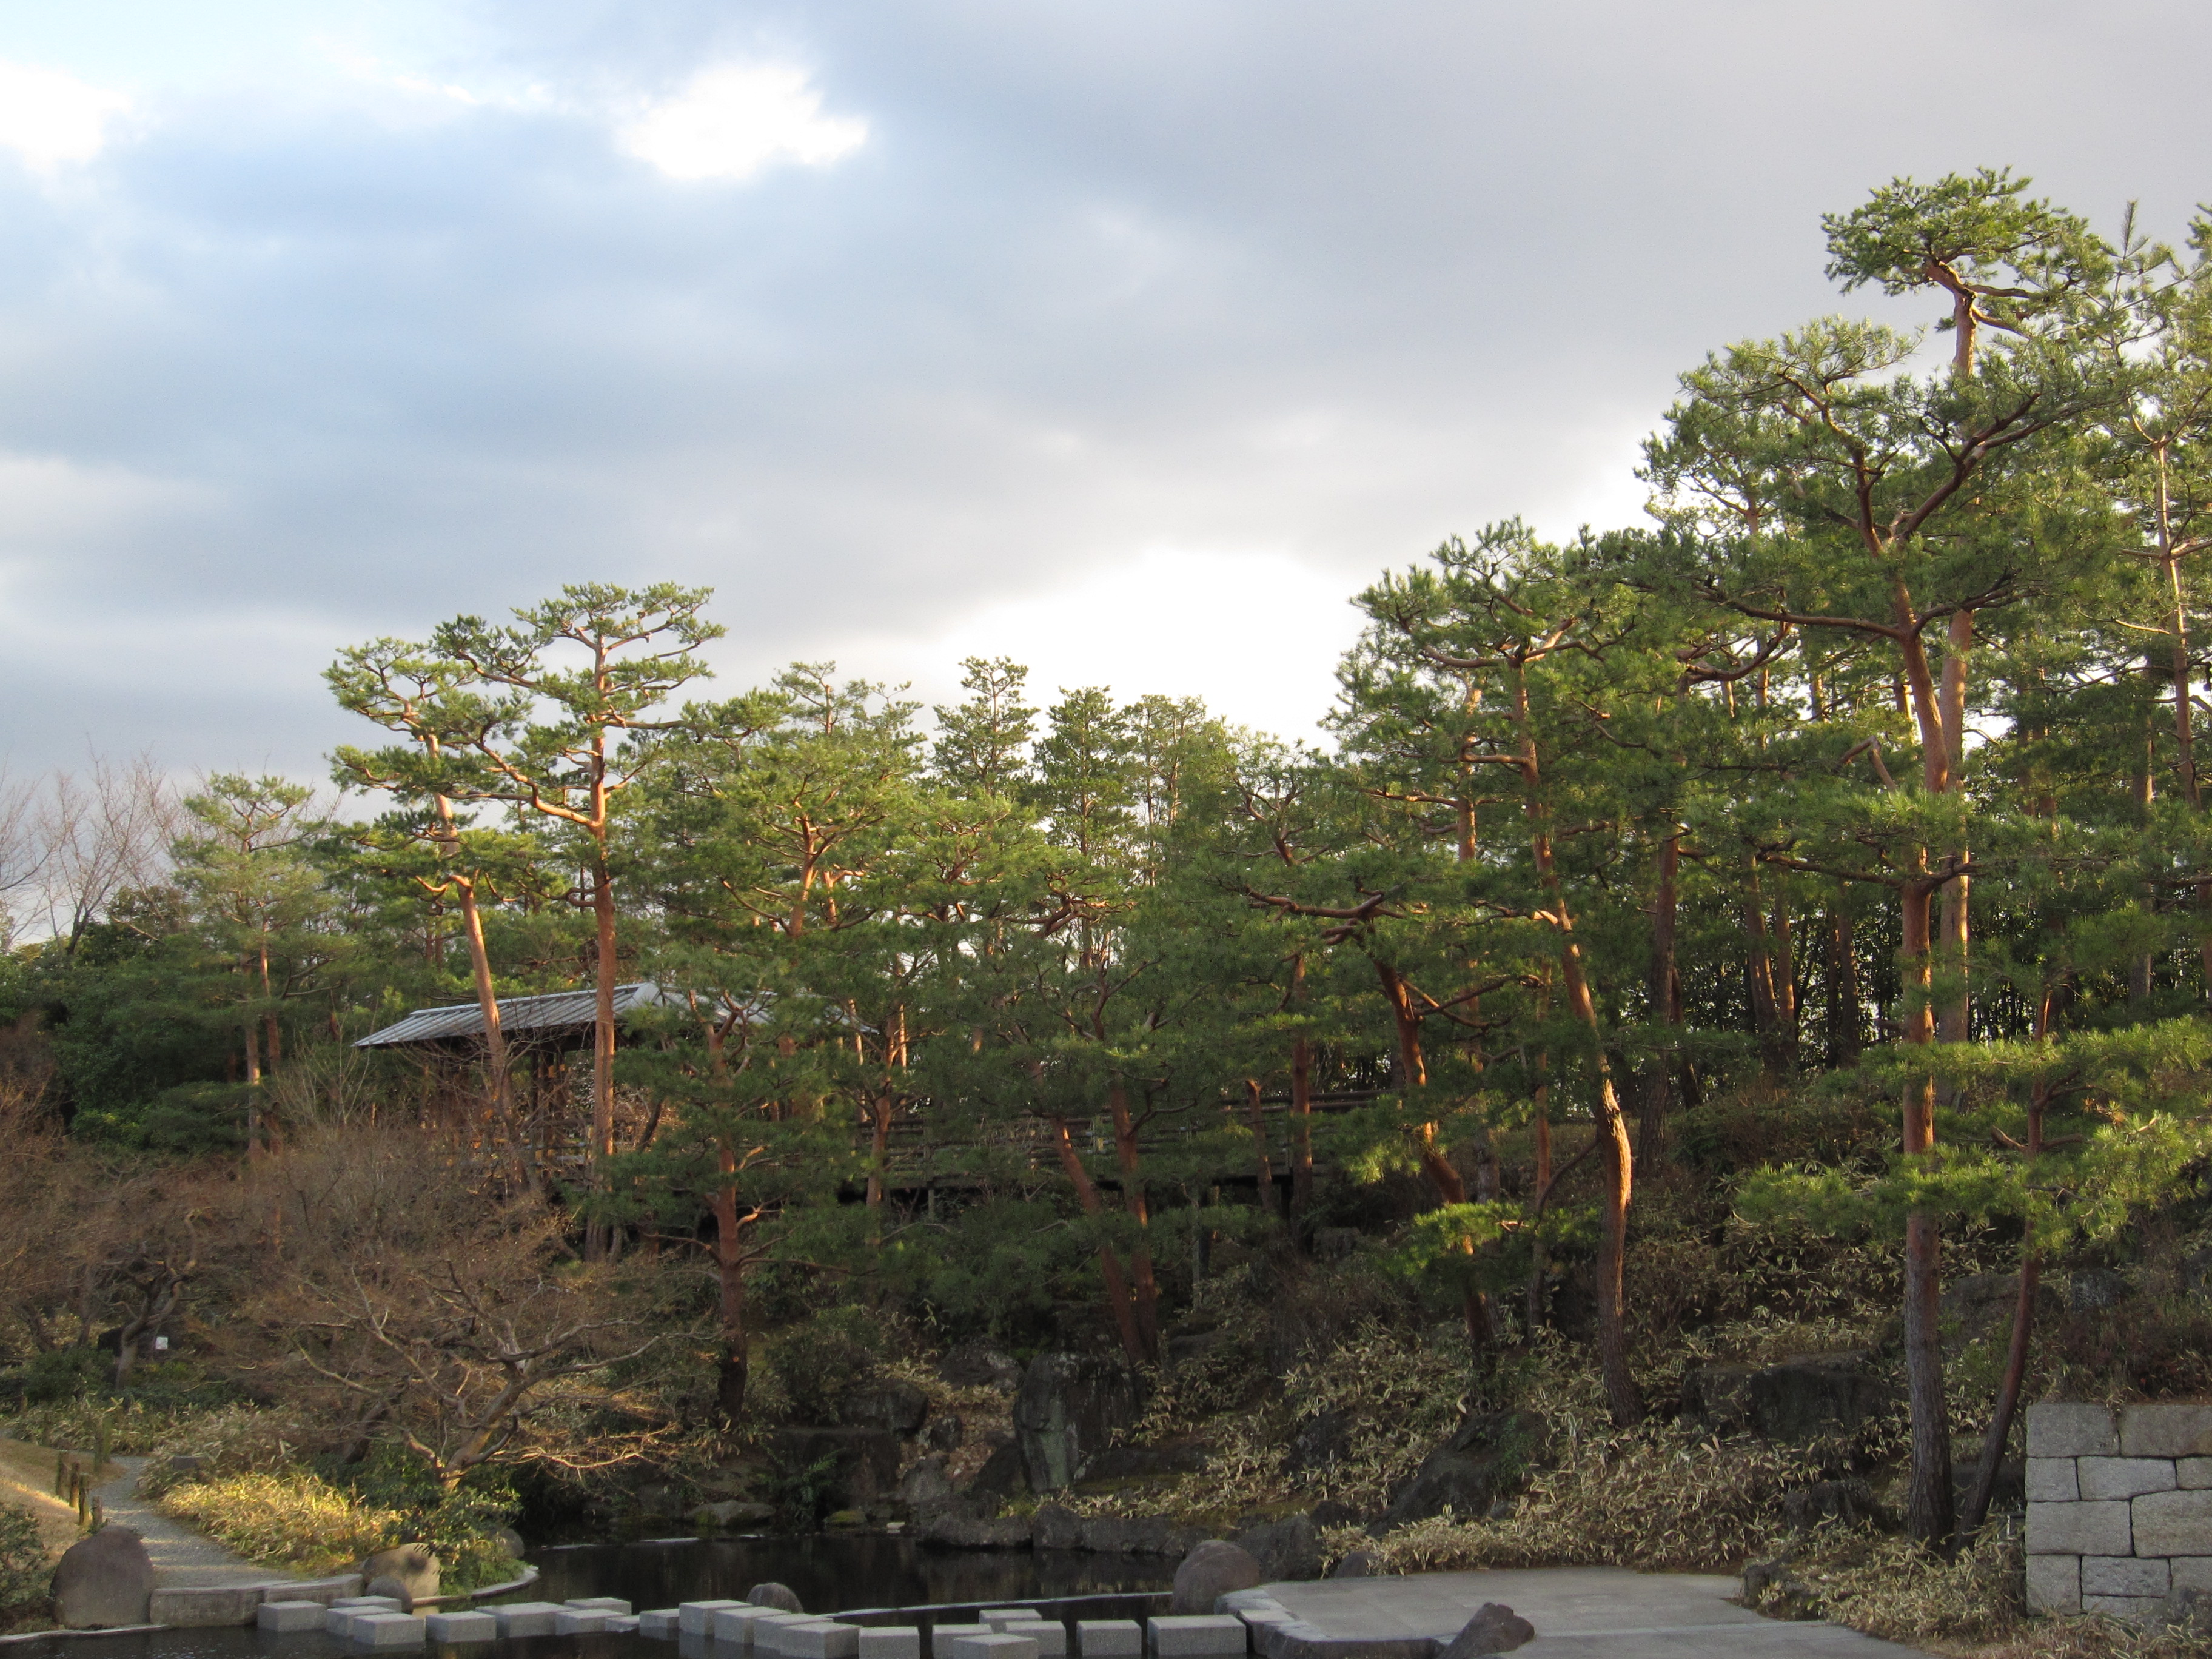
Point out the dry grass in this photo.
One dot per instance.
(27, 1478)
(284, 1520)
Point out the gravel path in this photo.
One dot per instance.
(180, 1555)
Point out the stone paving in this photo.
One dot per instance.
(1579, 1613)
(181, 1556)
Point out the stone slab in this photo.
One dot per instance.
(202, 1607)
(999, 1618)
(693, 1617)
(389, 1630)
(823, 1639)
(2136, 1609)
(660, 1624)
(525, 1618)
(2165, 1523)
(2124, 1574)
(2123, 1477)
(601, 1603)
(2193, 1572)
(1108, 1639)
(2080, 1528)
(459, 1627)
(325, 1590)
(2066, 1430)
(1197, 1636)
(287, 1618)
(2054, 1584)
(942, 1637)
(890, 1641)
(379, 1603)
(2165, 1428)
(622, 1624)
(2192, 1473)
(991, 1645)
(338, 1619)
(580, 1621)
(1049, 1635)
(2052, 1481)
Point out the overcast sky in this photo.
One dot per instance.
(1125, 339)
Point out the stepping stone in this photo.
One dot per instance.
(993, 1646)
(661, 1624)
(1198, 1635)
(1108, 1639)
(621, 1624)
(889, 1642)
(999, 1618)
(463, 1627)
(600, 1603)
(338, 1621)
(697, 1618)
(287, 1618)
(823, 1639)
(525, 1618)
(579, 1621)
(389, 1630)
(1049, 1634)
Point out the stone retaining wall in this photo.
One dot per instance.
(2119, 1507)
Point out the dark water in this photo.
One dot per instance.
(830, 1572)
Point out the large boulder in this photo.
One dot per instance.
(884, 1402)
(1185, 1457)
(1211, 1572)
(958, 1525)
(1804, 1398)
(1001, 1474)
(925, 1484)
(782, 1597)
(1137, 1535)
(1067, 1409)
(1488, 1457)
(104, 1581)
(863, 1463)
(1287, 1548)
(413, 1567)
(1053, 1528)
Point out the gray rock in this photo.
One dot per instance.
(103, 1581)
(1147, 1534)
(1144, 1462)
(782, 1597)
(1323, 1439)
(979, 1365)
(1067, 1409)
(942, 1433)
(733, 1512)
(413, 1565)
(1495, 1628)
(1287, 1548)
(1001, 1475)
(1805, 1396)
(394, 1586)
(1053, 1528)
(957, 1526)
(925, 1484)
(1487, 1457)
(2097, 1288)
(1358, 1565)
(865, 1462)
(884, 1403)
(510, 1542)
(1211, 1570)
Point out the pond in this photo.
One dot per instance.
(830, 1572)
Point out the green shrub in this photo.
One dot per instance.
(817, 1360)
(64, 1374)
(25, 1568)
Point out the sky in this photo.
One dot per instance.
(1128, 340)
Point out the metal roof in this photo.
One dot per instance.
(516, 1014)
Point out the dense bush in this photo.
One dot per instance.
(25, 1568)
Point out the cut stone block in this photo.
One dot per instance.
(695, 1618)
(389, 1630)
(600, 1603)
(2136, 1609)
(2124, 1574)
(457, 1627)
(622, 1624)
(579, 1621)
(2123, 1477)
(1049, 1634)
(745, 1625)
(890, 1641)
(2191, 1571)
(661, 1624)
(2054, 1584)
(991, 1645)
(2168, 1429)
(2192, 1473)
(2051, 1480)
(337, 1621)
(2065, 1430)
(1197, 1636)
(769, 1631)
(824, 1638)
(2082, 1529)
(287, 1617)
(999, 1618)
(2165, 1523)
(1108, 1639)
(325, 1590)
(942, 1637)
(525, 1618)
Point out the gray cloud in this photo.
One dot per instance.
(290, 366)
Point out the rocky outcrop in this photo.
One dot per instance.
(1067, 1410)
(1803, 1398)
(1144, 1462)
(885, 1403)
(104, 1581)
(960, 1525)
(1211, 1572)
(1495, 1628)
(1488, 1457)
(979, 1365)
(1288, 1546)
(864, 1463)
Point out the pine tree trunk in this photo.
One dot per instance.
(1928, 1514)
(1659, 993)
(1118, 1302)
